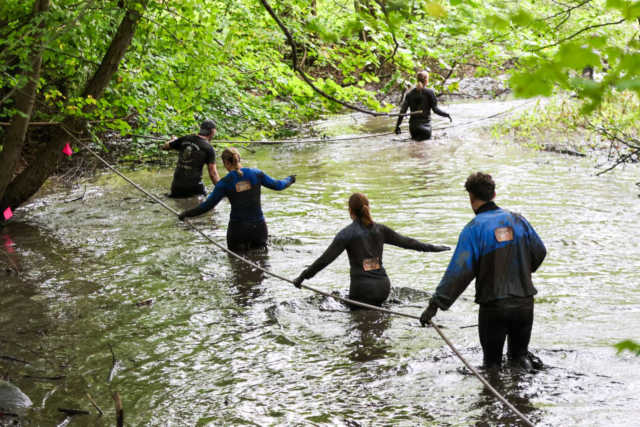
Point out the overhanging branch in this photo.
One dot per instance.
(296, 68)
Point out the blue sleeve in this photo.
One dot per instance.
(460, 272)
(274, 184)
(537, 249)
(211, 202)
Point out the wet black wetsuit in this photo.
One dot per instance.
(369, 281)
(247, 226)
(194, 153)
(500, 250)
(420, 124)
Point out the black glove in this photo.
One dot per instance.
(450, 119)
(297, 282)
(398, 131)
(428, 314)
(182, 215)
(293, 179)
(440, 248)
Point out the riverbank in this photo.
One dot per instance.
(560, 125)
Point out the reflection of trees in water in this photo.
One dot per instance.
(247, 280)
(368, 328)
(514, 386)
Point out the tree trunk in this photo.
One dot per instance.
(25, 185)
(16, 132)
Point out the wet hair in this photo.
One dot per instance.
(481, 185)
(231, 155)
(423, 79)
(359, 205)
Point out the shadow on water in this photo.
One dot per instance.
(515, 386)
(246, 279)
(366, 333)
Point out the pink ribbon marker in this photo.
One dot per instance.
(67, 150)
(7, 214)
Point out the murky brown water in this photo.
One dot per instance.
(231, 346)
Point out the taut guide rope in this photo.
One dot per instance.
(318, 291)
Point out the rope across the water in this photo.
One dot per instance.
(348, 138)
(318, 291)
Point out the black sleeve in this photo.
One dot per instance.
(177, 143)
(432, 101)
(211, 155)
(397, 239)
(403, 110)
(334, 250)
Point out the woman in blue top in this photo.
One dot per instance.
(242, 186)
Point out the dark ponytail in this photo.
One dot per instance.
(359, 205)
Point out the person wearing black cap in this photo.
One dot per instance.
(194, 152)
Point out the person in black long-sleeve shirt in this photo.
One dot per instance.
(421, 100)
(364, 241)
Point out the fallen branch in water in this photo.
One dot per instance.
(13, 359)
(119, 410)
(73, 412)
(95, 405)
(114, 365)
(35, 377)
(79, 198)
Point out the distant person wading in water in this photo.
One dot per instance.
(420, 100)
(194, 152)
(242, 186)
(364, 241)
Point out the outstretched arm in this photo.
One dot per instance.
(397, 239)
(333, 251)
(403, 110)
(275, 184)
(211, 202)
(460, 272)
(172, 144)
(433, 102)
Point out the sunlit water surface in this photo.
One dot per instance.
(232, 346)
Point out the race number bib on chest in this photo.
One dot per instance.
(243, 186)
(504, 234)
(371, 264)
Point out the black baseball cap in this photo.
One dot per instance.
(206, 127)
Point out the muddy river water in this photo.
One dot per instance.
(224, 344)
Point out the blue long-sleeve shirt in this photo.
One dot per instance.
(243, 193)
(499, 249)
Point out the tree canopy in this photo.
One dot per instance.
(231, 61)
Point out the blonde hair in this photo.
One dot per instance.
(423, 80)
(232, 156)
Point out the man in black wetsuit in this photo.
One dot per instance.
(195, 152)
(499, 249)
(421, 100)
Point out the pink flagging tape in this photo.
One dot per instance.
(7, 214)
(67, 150)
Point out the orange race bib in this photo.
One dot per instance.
(371, 264)
(243, 186)
(504, 234)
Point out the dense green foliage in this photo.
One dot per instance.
(228, 60)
